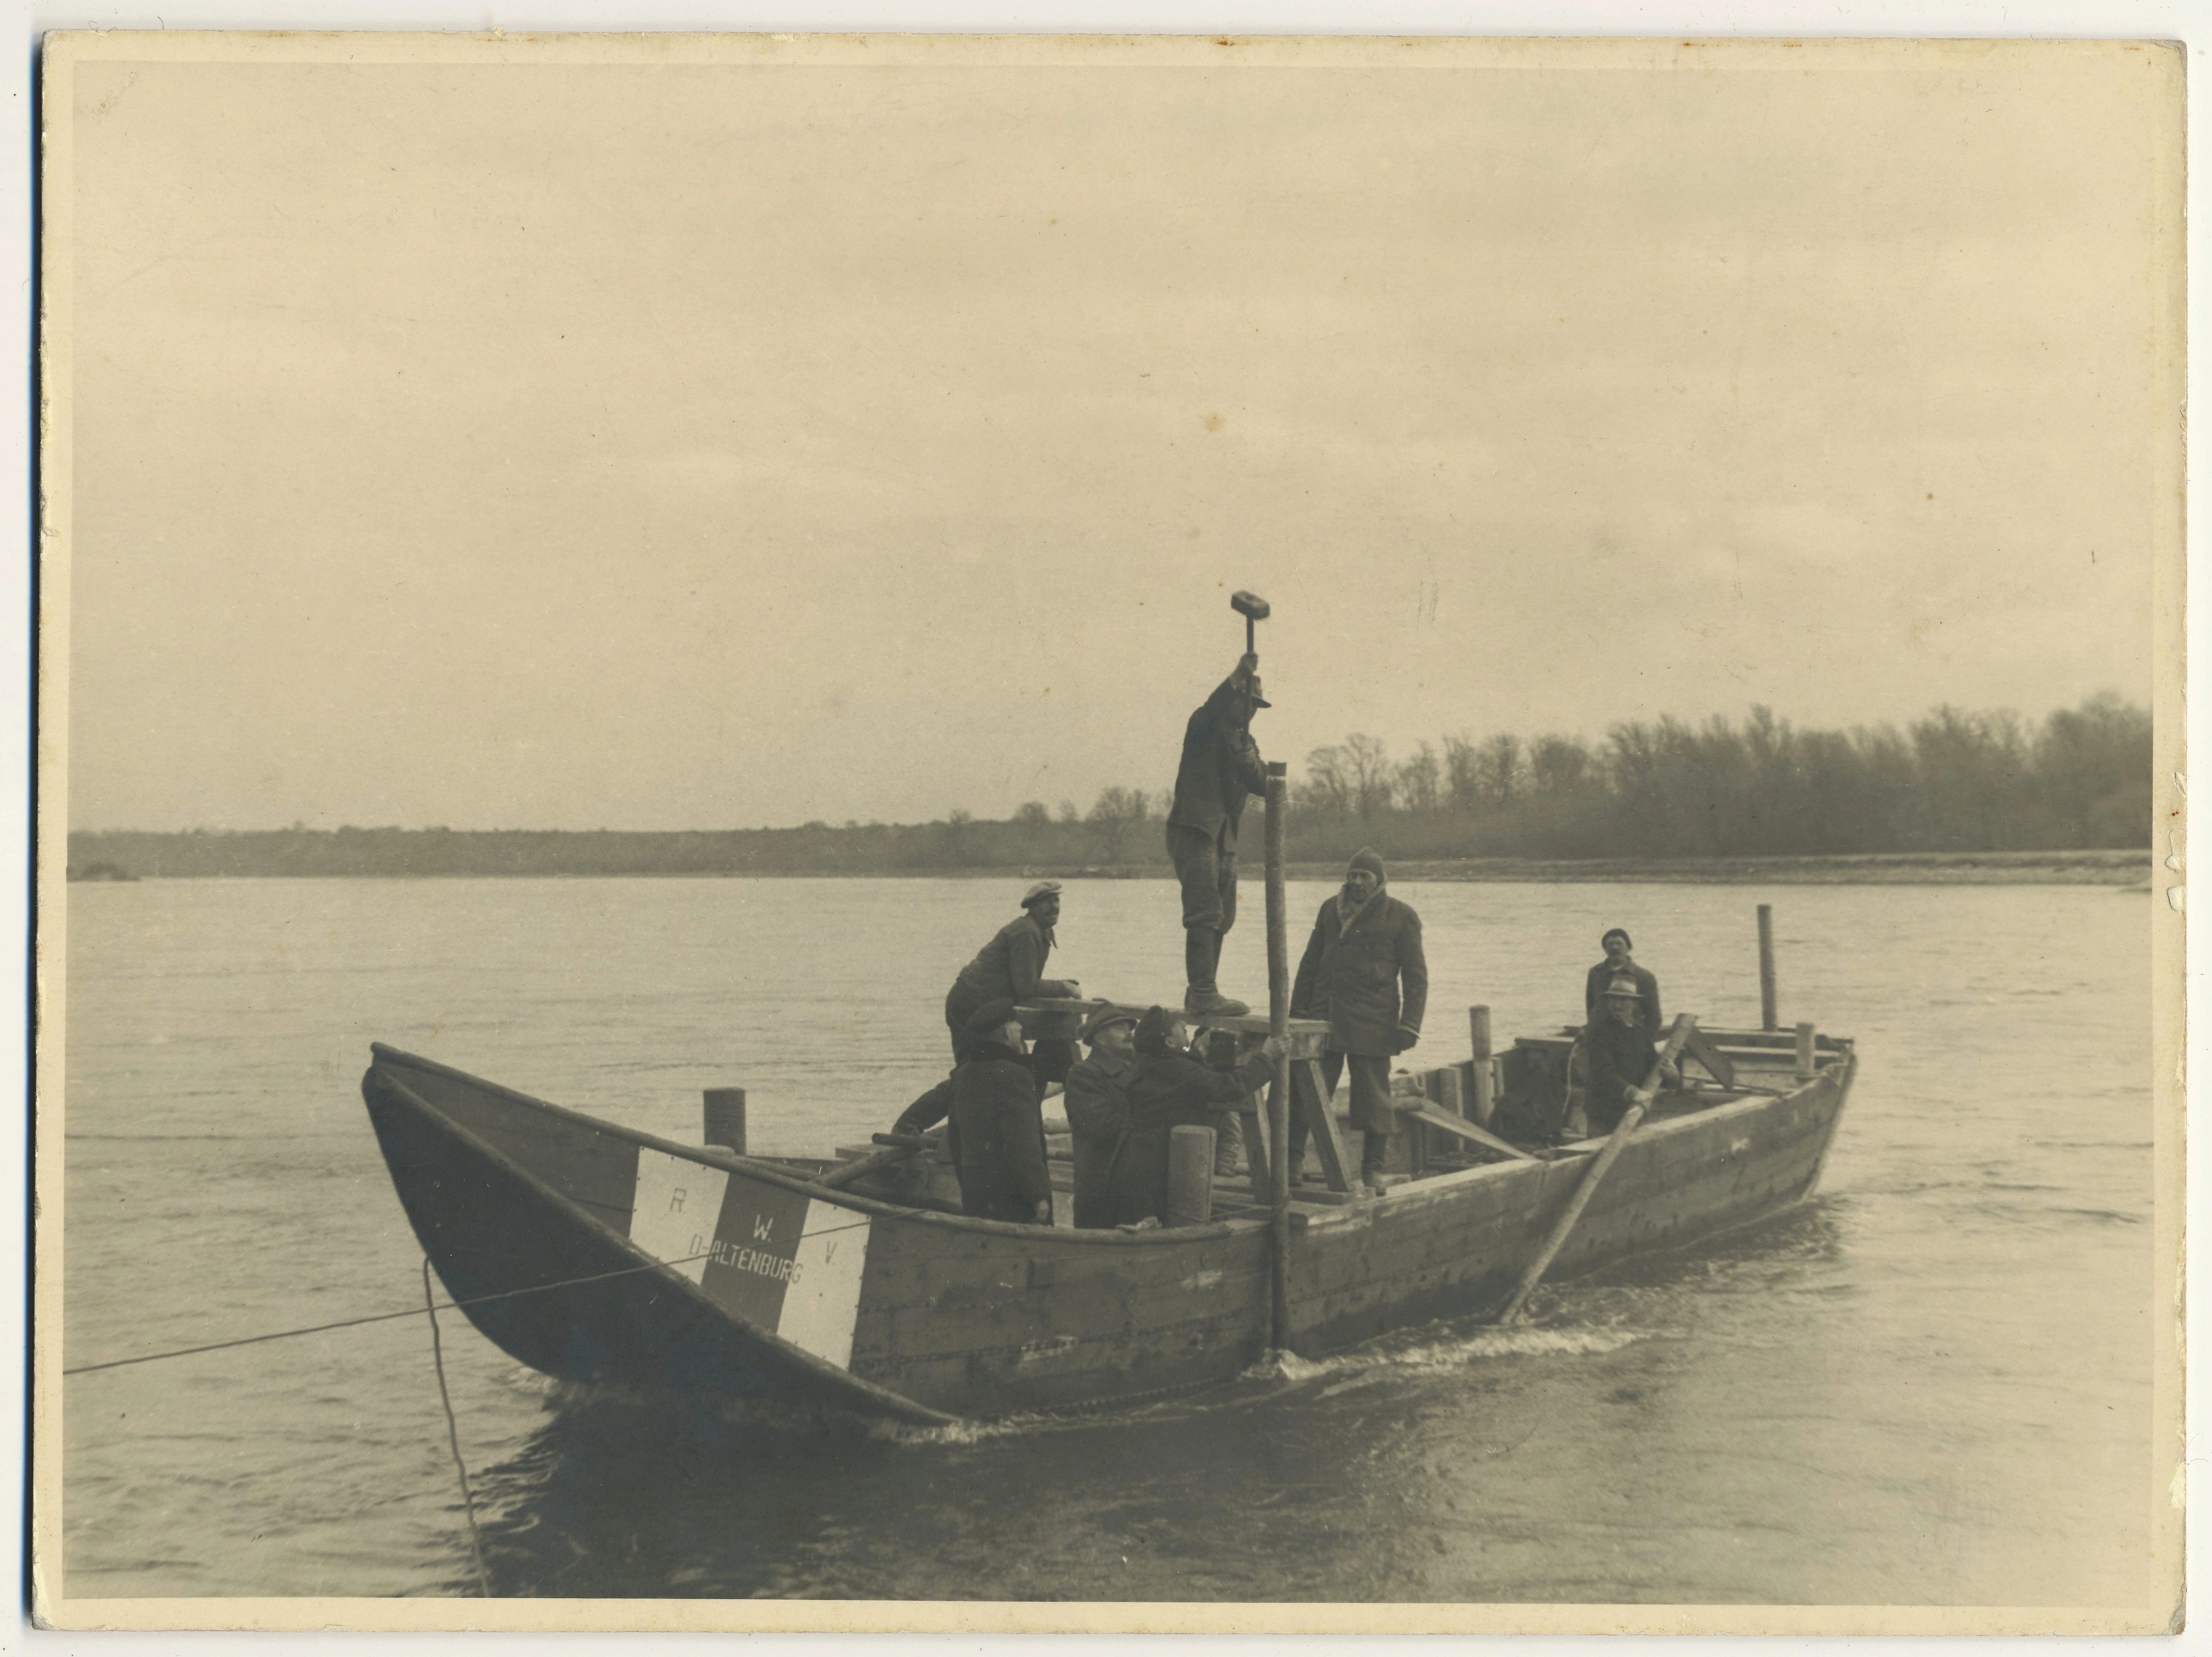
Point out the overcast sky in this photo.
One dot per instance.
(668, 445)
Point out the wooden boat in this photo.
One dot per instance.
(595, 1253)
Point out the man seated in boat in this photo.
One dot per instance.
(1618, 964)
(1011, 967)
(1620, 1056)
(1219, 771)
(1098, 1111)
(1167, 1089)
(1365, 945)
(1000, 1127)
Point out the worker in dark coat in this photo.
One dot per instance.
(1098, 1111)
(1619, 963)
(1620, 1053)
(1000, 1128)
(1220, 769)
(1009, 967)
(1169, 1089)
(1365, 946)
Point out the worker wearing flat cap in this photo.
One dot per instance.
(1621, 1055)
(1365, 944)
(1098, 1102)
(999, 1125)
(1011, 967)
(1167, 1089)
(1220, 769)
(1619, 963)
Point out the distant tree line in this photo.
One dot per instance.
(1952, 781)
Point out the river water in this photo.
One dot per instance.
(1929, 1385)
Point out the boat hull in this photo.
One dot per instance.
(718, 1275)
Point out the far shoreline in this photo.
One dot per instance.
(2119, 869)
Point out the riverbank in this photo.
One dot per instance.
(2120, 870)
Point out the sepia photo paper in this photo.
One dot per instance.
(963, 833)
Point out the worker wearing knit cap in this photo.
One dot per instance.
(1365, 950)
(1618, 964)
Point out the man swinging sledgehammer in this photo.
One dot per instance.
(1221, 768)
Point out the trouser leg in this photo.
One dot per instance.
(1228, 1142)
(1199, 944)
(1372, 1155)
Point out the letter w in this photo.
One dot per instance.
(762, 1226)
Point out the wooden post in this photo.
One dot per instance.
(1769, 1018)
(1190, 1175)
(1806, 1061)
(1483, 1105)
(1279, 1026)
(1443, 1087)
(726, 1118)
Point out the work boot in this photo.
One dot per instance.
(1201, 956)
(1228, 1142)
(1374, 1148)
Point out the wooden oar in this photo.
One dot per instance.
(1683, 1025)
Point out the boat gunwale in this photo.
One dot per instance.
(731, 1163)
(1320, 1215)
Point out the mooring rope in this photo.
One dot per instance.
(453, 1430)
(413, 1312)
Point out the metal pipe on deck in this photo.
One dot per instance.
(1279, 1025)
(1769, 1018)
(726, 1118)
(1190, 1175)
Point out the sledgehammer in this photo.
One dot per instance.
(1252, 607)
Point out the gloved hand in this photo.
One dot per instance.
(1407, 1037)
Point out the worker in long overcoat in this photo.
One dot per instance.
(1000, 1128)
(1098, 1111)
(1364, 972)
(1169, 1089)
(1219, 771)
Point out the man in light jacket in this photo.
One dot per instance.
(1365, 946)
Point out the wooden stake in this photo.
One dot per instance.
(1279, 1025)
(1482, 1105)
(1190, 1175)
(726, 1118)
(1604, 1160)
(1768, 1016)
(1806, 1061)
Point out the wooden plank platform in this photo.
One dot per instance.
(1059, 1018)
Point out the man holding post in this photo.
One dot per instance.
(1098, 1102)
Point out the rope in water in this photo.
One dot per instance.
(412, 1312)
(453, 1431)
